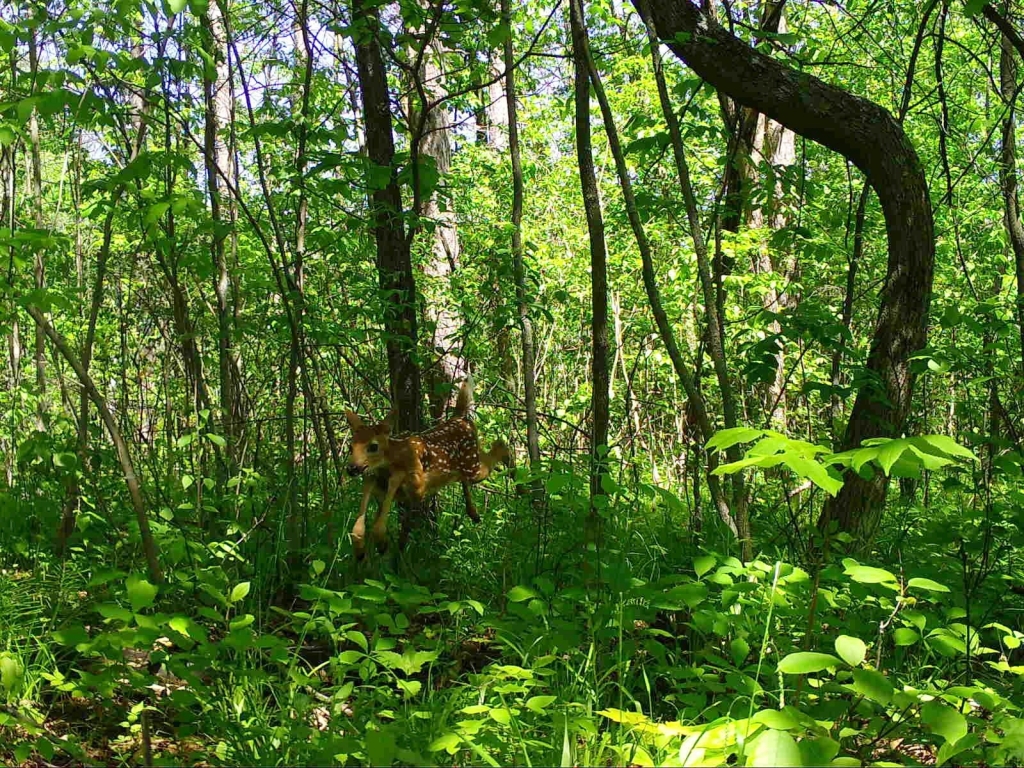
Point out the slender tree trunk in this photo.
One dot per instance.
(518, 262)
(848, 296)
(600, 373)
(35, 177)
(220, 176)
(1008, 175)
(693, 394)
(870, 137)
(120, 446)
(394, 262)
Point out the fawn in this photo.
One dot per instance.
(413, 467)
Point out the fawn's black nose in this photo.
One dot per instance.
(355, 469)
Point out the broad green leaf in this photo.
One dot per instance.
(12, 673)
(359, 639)
(851, 649)
(738, 650)
(889, 454)
(905, 636)
(943, 445)
(872, 685)
(727, 438)
(539, 703)
(449, 742)
(944, 720)
(927, 584)
(775, 749)
(409, 687)
(703, 564)
(140, 592)
(501, 715)
(519, 594)
(777, 719)
(813, 471)
(239, 591)
(806, 662)
(865, 574)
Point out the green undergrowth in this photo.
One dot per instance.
(712, 662)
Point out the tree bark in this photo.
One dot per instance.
(518, 262)
(431, 132)
(1008, 175)
(220, 177)
(600, 373)
(869, 136)
(35, 178)
(394, 261)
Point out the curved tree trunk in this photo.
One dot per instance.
(872, 139)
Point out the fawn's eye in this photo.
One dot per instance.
(372, 448)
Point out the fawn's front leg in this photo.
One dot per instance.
(380, 525)
(359, 529)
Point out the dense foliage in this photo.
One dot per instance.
(224, 224)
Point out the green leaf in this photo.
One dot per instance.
(814, 472)
(409, 687)
(738, 649)
(775, 749)
(851, 649)
(703, 564)
(140, 592)
(359, 639)
(217, 440)
(449, 742)
(805, 662)
(239, 591)
(539, 703)
(727, 438)
(927, 584)
(905, 636)
(176, 6)
(889, 454)
(944, 720)
(865, 574)
(942, 445)
(872, 685)
(519, 594)
(501, 715)
(777, 719)
(12, 673)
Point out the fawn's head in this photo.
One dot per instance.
(369, 444)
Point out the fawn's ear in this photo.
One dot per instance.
(353, 420)
(389, 421)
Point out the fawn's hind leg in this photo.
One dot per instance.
(470, 508)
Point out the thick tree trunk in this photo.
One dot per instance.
(394, 262)
(600, 373)
(869, 136)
